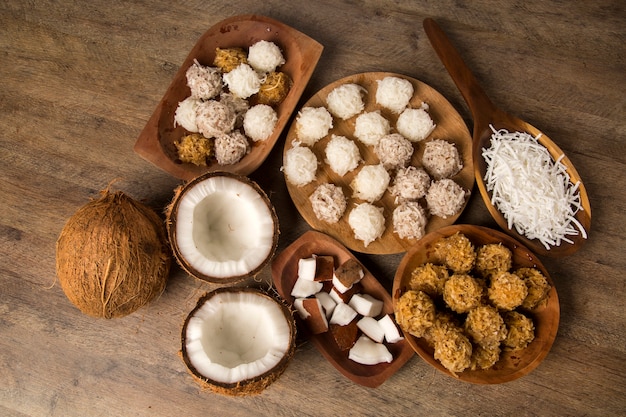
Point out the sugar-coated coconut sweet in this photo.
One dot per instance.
(237, 341)
(112, 256)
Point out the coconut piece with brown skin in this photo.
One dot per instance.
(112, 256)
(237, 341)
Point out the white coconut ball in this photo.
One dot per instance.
(243, 81)
(367, 222)
(370, 127)
(265, 56)
(185, 114)
(259, 122)
(415, 124)
(394, 93)
(346, 100)
(342, 154)
(370, 183)
(300, 165)
(312, 124)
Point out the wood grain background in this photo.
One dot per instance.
(79, 81)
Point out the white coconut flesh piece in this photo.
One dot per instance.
(224, 227)
(238, 341)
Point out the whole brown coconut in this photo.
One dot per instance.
(112, 256)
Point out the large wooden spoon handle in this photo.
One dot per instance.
(478, 102)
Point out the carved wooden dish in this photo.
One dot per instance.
(486, 114)
(450, 127)
(285, 273)
(512, 364)
(301, 53)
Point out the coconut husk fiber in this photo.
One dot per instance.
(112, 256)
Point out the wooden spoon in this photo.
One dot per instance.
(485, 113)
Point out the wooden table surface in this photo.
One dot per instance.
(79, 81)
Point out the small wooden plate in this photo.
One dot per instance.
(511, 365)
(301, 53)
(450, 127)
(285, 273)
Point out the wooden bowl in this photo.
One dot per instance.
(512, 364)
(301, 53)
(285, 273)
(450, 127)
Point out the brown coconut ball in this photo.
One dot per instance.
(492, 258)
(521, 330)
(484, 357)
(195, 149)
(507, 291)
(453, 350)
(462, 292)
(457, 252)
(537, 284)
(112, 256)
(227, 59)
(415, 312)
(274, 89)
(429, 278)
(445, 320)
(485, 326)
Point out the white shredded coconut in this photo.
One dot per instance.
(441, 159)
(300, 165)
(410, 183)
(394, 93)
(328, 202)
(204, 82)
(346, 100)
(259, 122)
(312, 124)
(445, 198)
(367, 222)
(185, 114)
(265, 56)
(370, 183)
(532, 190)
(394, 151)
(370, 127)
(214, 118)
(243, 81)
(342, 154)
(415, 124)
(409, 220)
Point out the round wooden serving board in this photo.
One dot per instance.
(450, 126)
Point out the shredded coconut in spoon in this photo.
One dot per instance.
(531, 190)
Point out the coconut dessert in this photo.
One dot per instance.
(220, 99)
(415, 124)
(222, 227)
(394, 93)
(112, 256)
(346, 100)
(238, 341)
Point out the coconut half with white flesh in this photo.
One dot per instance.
(222, 227)
(237, 341)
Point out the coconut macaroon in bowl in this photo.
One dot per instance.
(476, 304)
(386, 154)
(222, 227)
(241, 64)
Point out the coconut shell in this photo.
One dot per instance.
(112, 256)
(172, 216)
(251, 386)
